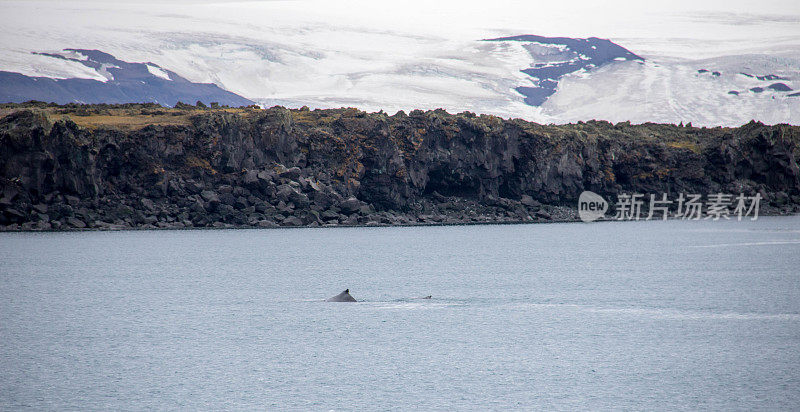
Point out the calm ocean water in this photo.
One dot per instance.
(644, 315)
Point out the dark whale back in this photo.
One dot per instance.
(342, 297)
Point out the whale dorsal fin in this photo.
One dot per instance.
(342, 297)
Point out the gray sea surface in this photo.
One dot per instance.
(615, 315)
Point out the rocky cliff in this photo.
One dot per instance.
(144, 166)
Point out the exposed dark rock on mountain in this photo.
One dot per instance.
(780, 87)
(716, 73)
(280, 167)
(556, 56)
(764, 77)
(126, 82)
(770, 77)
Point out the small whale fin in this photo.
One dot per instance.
(342, 297)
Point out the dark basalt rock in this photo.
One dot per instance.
(291, 173)
(286, 168)
(292, 221)
(350, 205)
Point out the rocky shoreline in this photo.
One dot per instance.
(298, 205)
(114, 167)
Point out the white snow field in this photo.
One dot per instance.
(393, 56)
(671, 90)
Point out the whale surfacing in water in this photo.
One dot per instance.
(342, 297)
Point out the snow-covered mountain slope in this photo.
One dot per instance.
(113, 81)
(727, 90)
(554, 57)
(427, 55)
